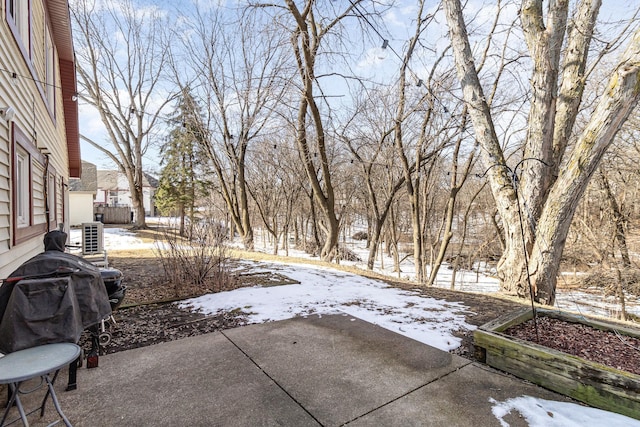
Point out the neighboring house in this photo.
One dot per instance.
(113, 190)
(82, 192)
(39, 139)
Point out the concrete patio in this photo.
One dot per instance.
(330, 371)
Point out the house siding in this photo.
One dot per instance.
(45, 129)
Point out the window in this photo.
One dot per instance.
(23, 192)
(18, 12)
(28, 172)
(49, 67)
(52, 197)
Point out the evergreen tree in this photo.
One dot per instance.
(182, 161)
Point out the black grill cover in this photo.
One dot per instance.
(87, 289)
(40, 311)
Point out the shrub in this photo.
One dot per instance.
(360, 235)
(201, 261)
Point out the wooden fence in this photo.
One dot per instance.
(112, 215)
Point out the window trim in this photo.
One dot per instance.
(13, 26)
(23, 233)
(27, 52)
(52, 196)
(22, 183)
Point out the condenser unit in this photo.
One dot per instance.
(92, 238)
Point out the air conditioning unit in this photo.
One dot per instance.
(92, 238)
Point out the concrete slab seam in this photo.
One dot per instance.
(271, 378)
(407, 393)
(499, 372)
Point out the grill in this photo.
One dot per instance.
(54, 296)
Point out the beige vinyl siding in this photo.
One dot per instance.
(6, 96)
(37, 40)
(28, 97)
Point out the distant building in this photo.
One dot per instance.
(113, 190)
(82, 192)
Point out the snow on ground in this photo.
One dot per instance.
(481, 280)
(544, 413)
(323, 290)
(593, 302)
(326, 291)
(114, 238)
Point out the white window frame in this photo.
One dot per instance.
(19, 19)
(52, 197)
(25, 160)
(23, 187)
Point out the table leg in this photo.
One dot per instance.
(55, 400)
(13, 388)
(10, 400)
(46, 395)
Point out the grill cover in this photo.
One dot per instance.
(40, 311)
(81, 296)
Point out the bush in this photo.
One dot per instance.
(345, 254)
(608, 280)
(201, 261)
(310, 248)
(360, 235)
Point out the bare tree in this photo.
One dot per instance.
(419, 133)
(457, 180)
(121, 54)
(275, 188)
(558, 43)
(313, 27)
(367, 134)
(235, 64)
(458, 173)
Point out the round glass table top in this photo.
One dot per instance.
(36, 361)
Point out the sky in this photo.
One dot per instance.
(322, 290)
(371, 59)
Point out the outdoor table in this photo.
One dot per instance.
(40, 361)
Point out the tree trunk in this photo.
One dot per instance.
(138, 211)
(446, 238)
(181, 213)
(417, 236)
(373, 239)
(314, 220)
(618, 220)
(392, 242)
(497, 171)
(557, 206)
(613, 109)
